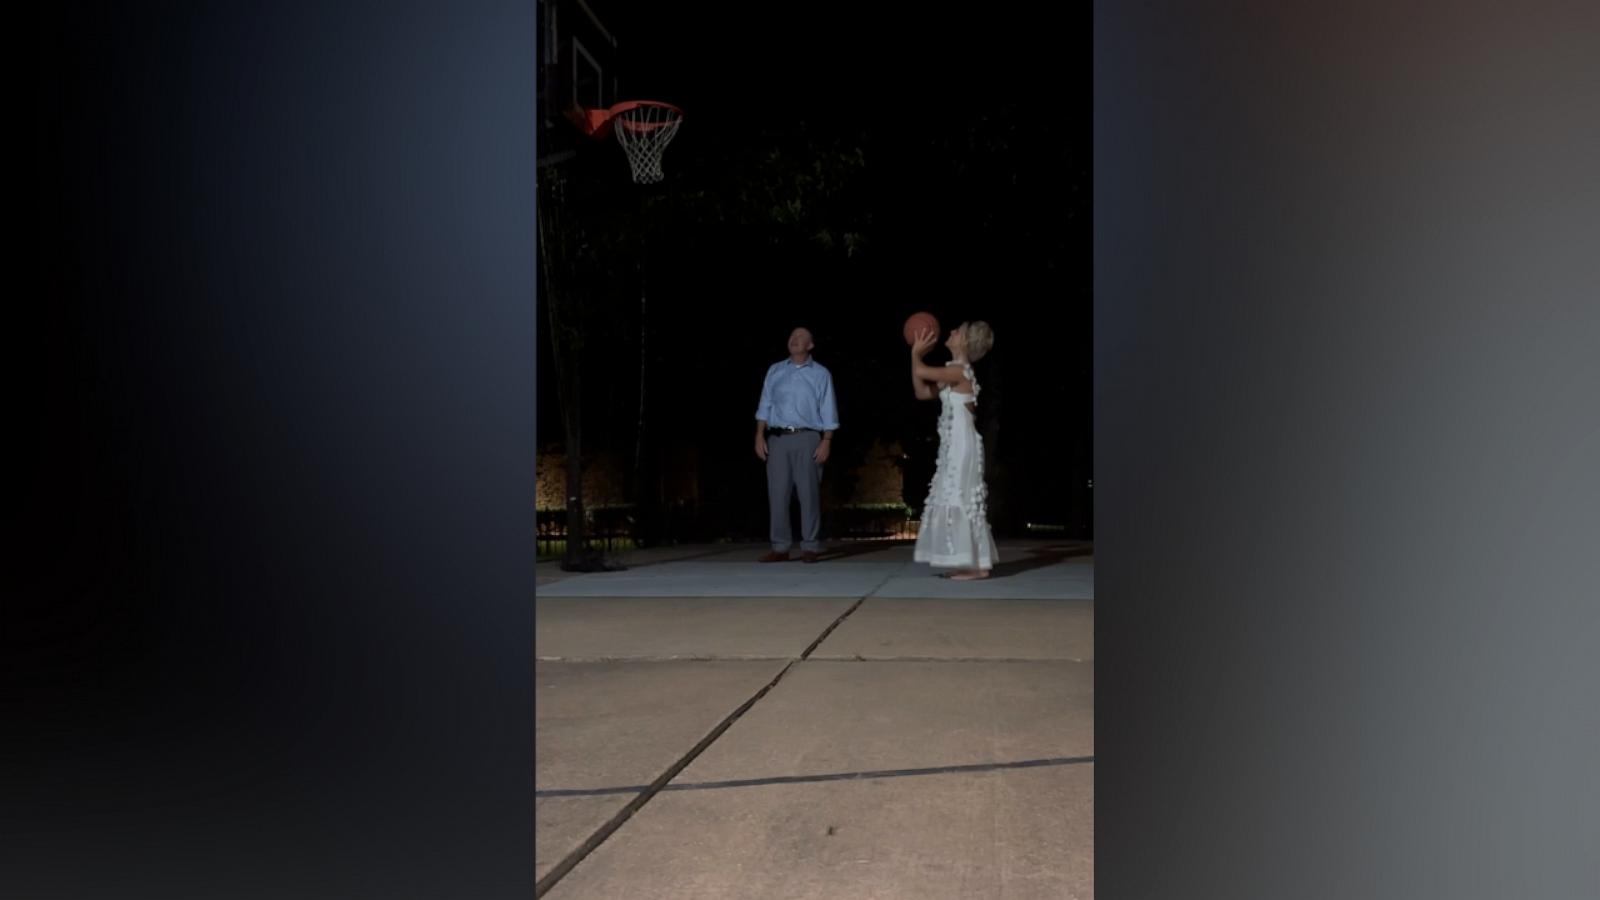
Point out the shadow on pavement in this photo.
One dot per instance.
(1039, 557)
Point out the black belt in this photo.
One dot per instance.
(778, 429)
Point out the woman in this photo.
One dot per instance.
(955, 520)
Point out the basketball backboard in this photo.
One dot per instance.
(578, 70)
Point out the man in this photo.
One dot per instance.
(795, 422)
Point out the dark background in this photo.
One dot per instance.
(267, 621)
(963, 190)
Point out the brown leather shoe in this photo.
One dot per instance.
(774, 556)
(808, 556)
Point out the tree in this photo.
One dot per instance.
(594, 229)
(573, 257)
(790, 190)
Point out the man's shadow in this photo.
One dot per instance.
(848, 549)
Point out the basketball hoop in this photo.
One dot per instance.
(644, 129)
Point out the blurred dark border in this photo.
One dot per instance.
(1347, 354)
(268, 625)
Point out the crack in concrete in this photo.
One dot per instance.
(833, 776)
(852, 658)
(604, 832)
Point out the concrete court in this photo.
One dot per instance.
(935, 740)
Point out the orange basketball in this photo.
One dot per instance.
(921, 321)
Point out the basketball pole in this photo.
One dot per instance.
(644, 364)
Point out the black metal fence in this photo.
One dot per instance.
(609, 529)
(612, 529)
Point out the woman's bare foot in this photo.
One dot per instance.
(970, 575)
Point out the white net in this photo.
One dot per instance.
(644, 130)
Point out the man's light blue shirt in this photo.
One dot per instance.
(798, 397)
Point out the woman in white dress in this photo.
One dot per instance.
(955, 520)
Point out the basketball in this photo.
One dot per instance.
(921, 321)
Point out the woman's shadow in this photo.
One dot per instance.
(1039, 557)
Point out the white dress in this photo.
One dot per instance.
(955, 520)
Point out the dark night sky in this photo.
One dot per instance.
(976, 137)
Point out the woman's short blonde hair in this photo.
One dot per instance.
(980, 338)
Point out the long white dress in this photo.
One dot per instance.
(955, 519)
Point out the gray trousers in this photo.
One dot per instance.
(791, 469)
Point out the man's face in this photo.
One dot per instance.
(799, 342)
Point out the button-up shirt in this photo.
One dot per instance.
(798, 397)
